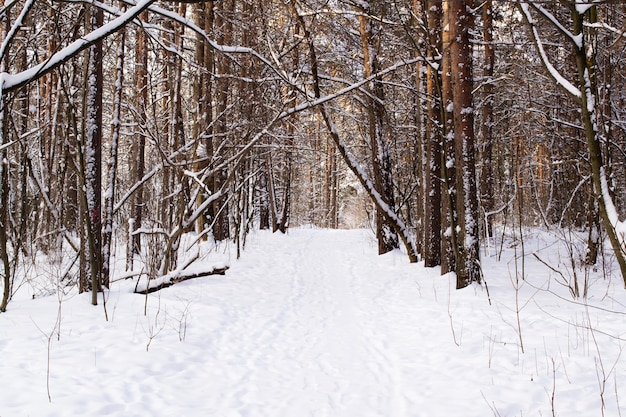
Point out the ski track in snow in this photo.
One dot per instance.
(311, 324)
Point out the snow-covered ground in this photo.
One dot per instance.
(313, 323)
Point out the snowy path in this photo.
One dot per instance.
(305, 340)
(311, 324)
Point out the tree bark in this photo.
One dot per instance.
(92, 160)
(377, 125)
(585, 62)
(449, 218)
(486, 178)
(138, 148)
(107, 232)
(468, 262)
(223, 23)
(433, 140)
(4, 209)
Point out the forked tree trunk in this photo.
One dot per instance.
(285, 211)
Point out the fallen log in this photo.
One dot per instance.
(169, 280)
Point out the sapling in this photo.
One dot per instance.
(157, 327)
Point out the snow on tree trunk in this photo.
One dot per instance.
(468, 262)
(449, 218)
(107, 232)
(585, 60)
(486, 123)
(92, 161)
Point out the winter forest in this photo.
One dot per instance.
(141, 140)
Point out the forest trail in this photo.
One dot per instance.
(309, 324)
(311, 329)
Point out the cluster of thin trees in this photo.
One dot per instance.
(125, 125)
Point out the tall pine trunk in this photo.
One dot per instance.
(468, 261)
(377, 125)
(137, 157)
(433, 140)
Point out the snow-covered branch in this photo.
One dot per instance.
(575, 39)
(611, 210)
(15, 27)
(14, 81)
(545, 60)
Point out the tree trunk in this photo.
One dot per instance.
(203, 90)
(449, 247)
(468, 263)
(107, 232)
(223, 23)
(92, 160)
(285, 211)
(138, 148)
(381, 158)
(486, 178)
(585, 61)
(433, 140)
(4, 207)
